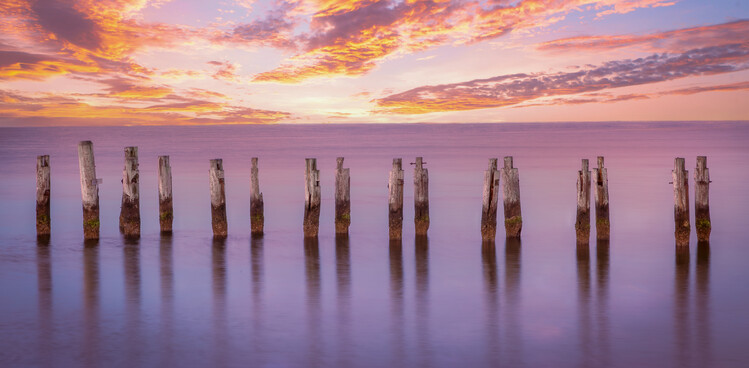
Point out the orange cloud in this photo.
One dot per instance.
(514, 89)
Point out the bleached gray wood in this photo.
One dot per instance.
(582, 223)
(681, 202)
(257, 215)
(421, 198)
(89, 190)
(342, 198)
(218, 198)
(130, 209)
(166, 204)
(702, 200)
(311, 199)
(43, 189)
(395, 199)
(603, 227)
(490, 198)
(511, 194)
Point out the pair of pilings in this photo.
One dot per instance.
(582, 222)
(510, 180)
(395, 199)
(217, 187)
(682, 228)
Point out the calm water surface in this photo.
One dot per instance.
(447, 301)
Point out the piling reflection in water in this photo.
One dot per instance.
(682, 326)
(602, 301)
(44, 287)
(218, 272)
(489, 268)
(257, 272)
(396, 301)
(166, 277)
(91, 303)
(343, 297)
(131, 266)
(314, 309)
(583, 303)
(704, 346)
(421, 245)
(513, 330)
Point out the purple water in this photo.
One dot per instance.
(186, 301)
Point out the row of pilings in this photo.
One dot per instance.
(507, 177)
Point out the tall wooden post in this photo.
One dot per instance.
(702, 200)
(342, 198)
(681, 202)
(42, 196)
(166, 207)
(257, 217)
(511, 193)
(89, 190)
(602, 201)
(421, 197)
(218, 199)
(582, 224)
(130, 210)
(489, 202)
(395, 199)
(311, 199)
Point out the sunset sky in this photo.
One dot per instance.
(141, 62)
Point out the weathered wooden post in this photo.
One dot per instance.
(681, 202)
(89, 190)
(342, 198)
(257, 217)
(395, 199)
(311, 199)
(511, 193)
(582, 224)
(130, 210)
(166, 207)
(489, 203)
(42, 196)
(218, 199)
(602, 201)
(421, 197)
(702, 200)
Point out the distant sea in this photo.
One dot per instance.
(187, 301)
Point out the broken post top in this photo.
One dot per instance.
(311, 164)
(508, 162)
(339, 163)
(492, 164)
(600, 162)
(701, 162)
(419, 163)
(397, 164)
(679, 164)
(217, 163)
(131, 152)
(585, 165)
(254, 162)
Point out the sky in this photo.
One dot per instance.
(194, 62)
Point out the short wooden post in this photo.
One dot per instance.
(42, 196)
(257, 217)
(89, 190)
(130, 210)
(166, 207)
(602, 201)
(702, 200)
(395, 199)
(218, 199)
(681, 202)
(421, 197)
(489, 202)
(511, 193)
(342, 198)
(582, 224)
(311, 199)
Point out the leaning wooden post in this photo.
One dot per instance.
(602, 201)
(166, 208)
(218, 199)
(681, 202)
(582, 224)
(421, 197)
(130, 210)
(702, 200)
(257, 218)
(490, 200)
(342, 198)
(511, 193)
(311, 199)
(395, 199)
(89, 190)
(42, 196)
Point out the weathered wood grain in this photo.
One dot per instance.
(511, 194)
(311, 199)
(43, 190)
(130, 209)
(342, 198)
(490, 199)
(218, 198)
(582, 223)
(421, 197)
(257, 214)
(89, 190)
(681, 203)
(603, 227)
(395, 200)
(702, 200)
(166, 201)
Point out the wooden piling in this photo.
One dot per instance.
(489, 203)
(257, 216)
(395, 200)
(130, 209)
(602, 201)
(421, 197)
(342, 198)
(511, 194)
(89, 190)
(311, 199)
(218, 199)
(582, 224)
(42, 196)
(702, 200)
(166, 207)
(681, 202)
